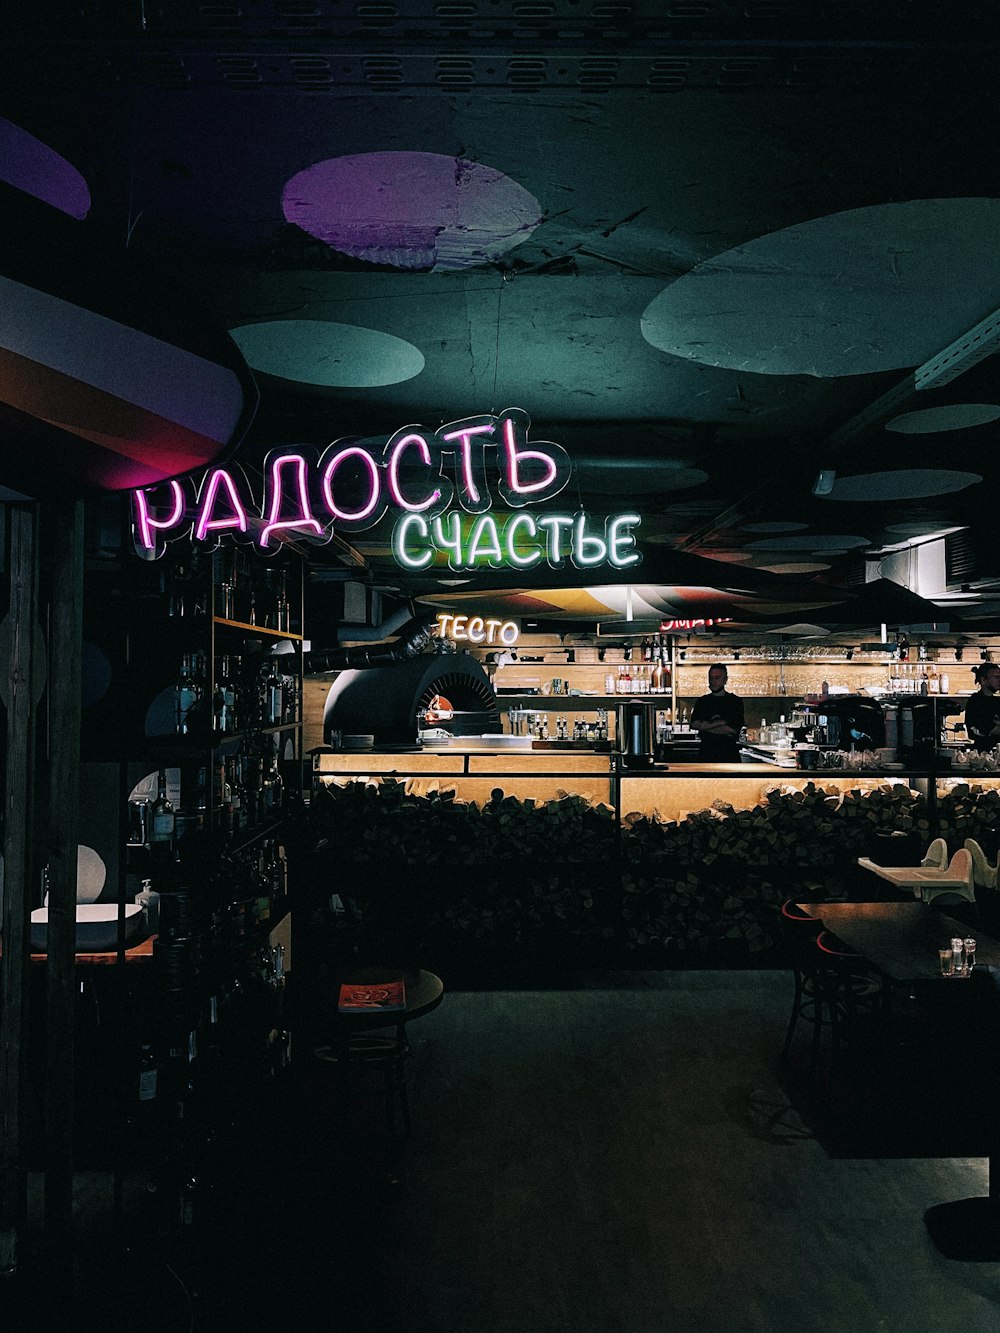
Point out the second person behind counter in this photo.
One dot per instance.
(717, 717)
(982, 712)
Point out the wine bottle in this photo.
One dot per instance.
(163, 825)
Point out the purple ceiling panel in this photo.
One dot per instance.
(411, 210)
(31, 166)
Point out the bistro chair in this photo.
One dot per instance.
(936, 855)
(800, 931)
(983, 874)
(849, 991)
(960, 882)
(374, 1061)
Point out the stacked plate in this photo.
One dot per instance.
(357, 742)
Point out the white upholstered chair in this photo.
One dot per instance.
(984, 875)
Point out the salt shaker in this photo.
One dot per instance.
(956, 951)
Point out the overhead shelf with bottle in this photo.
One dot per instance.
(550, 674)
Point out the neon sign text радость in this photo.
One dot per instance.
(350, 486)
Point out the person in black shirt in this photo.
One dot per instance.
(982, 712)
(717, 717)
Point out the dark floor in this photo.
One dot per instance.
(619, 1156)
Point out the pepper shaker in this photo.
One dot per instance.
(969, 945)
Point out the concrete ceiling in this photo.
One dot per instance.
(756, 226)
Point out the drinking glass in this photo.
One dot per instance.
(946, 962)
(969, 946)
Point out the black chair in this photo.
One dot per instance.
(850, 993)
(800, 932)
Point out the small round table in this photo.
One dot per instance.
(354, 1045)
(424, 992)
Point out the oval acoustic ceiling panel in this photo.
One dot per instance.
(951, 416)
(872, 289)
(111, 377)
(816, 541)
(324, 353)
(411, 210)
(773, 527)
(31, 166)
(904, 484)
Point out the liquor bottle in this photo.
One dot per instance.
(238, 794)
(266, 788)
(656, 678)
(199, 683)
(273, 695)
(663, 659)
(284, 614)
(184, 695)
(251, 789)
(224, 798)
(218, 707)
(148, 1073)
(228, 687)
(163, 826)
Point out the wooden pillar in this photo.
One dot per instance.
(65, 538)
(18, 873)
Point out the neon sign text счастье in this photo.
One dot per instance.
(477, 629)
(518, 542)
(441, 482)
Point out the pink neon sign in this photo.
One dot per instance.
(421, 474)
(352, 484)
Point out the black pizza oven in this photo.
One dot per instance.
(383, 700)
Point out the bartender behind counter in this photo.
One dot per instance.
(717, 717)
(982, 712)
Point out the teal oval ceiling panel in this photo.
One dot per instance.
(871, 289)
(334, 356)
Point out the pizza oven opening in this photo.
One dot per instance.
(384, 701)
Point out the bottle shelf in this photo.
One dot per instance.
(243, 627)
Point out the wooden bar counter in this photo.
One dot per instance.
(668, 791)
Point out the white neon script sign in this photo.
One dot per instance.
(435, 479)
(478, 629)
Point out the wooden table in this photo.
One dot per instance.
(901, 940)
